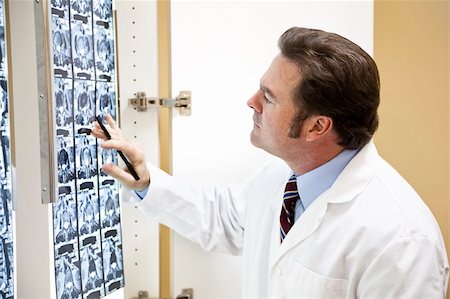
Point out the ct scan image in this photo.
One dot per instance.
(6, 269)
(62, 62)
(109, 204)
(113, 264)
(67, 270)
(81, 8)
(84, 102)
(66, 166)
(92, 271)
(4, 121)
(82, 50)
(63, 106)
(102, 11)
(60, 7)
(5, 155)
(65, 218)
(106, 100)
(5, 214)
(88, 214)
(86, 157)
(104, 53)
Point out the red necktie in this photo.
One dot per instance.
(287, 216)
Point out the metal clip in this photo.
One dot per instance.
(182, 102)
(186, 294)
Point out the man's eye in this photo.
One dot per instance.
(266, 99)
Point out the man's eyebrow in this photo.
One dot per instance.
(267, 90)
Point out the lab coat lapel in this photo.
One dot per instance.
(347, 186)
(303, 227)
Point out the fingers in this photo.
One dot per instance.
(110, 121)
(115, 171)
(124, 176)
(132, 151)
(97, 132)
(113, 129)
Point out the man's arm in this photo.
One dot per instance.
(210, 216)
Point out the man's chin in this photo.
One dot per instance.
(255, 139)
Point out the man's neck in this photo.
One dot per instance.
(308, 160)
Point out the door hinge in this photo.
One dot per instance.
(185, 294)
(182, 102)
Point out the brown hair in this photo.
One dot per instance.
(338, 79)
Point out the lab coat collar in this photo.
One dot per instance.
(347, 186)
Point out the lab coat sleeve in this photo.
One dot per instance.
(410, 267)
(208, 215)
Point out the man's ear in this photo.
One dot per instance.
(318, 127)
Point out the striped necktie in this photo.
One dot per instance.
(287, 216)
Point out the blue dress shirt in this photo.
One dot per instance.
(313, 183)
(141, 194)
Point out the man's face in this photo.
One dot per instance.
(274, 108)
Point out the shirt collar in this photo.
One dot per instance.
(313, 183)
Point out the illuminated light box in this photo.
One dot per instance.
(86, 208)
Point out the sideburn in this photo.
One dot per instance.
(296, 125)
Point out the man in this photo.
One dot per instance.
(329, 218)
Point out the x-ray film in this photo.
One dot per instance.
(67, 275)
(88, 213)
(82, 50)
(65, 219)
(104, 53)
(113, 264)
(5, 213)
(6, 268)
(5, 156)
(106, 100)
(81, 9)
(86, 157)
(109, 206)
(63, 106)
(92, 271)
(4, 111)
(62, 62)
(102, 12)
(86, 217)
(84, 102)
(111, 235)
(60, 8)
(4, 121)
(66, 165)
(5, 153)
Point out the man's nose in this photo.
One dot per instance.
(255, 103)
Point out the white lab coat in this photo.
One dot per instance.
(368, 236)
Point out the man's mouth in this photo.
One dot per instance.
(256, 123)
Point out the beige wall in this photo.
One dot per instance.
(412, 53)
